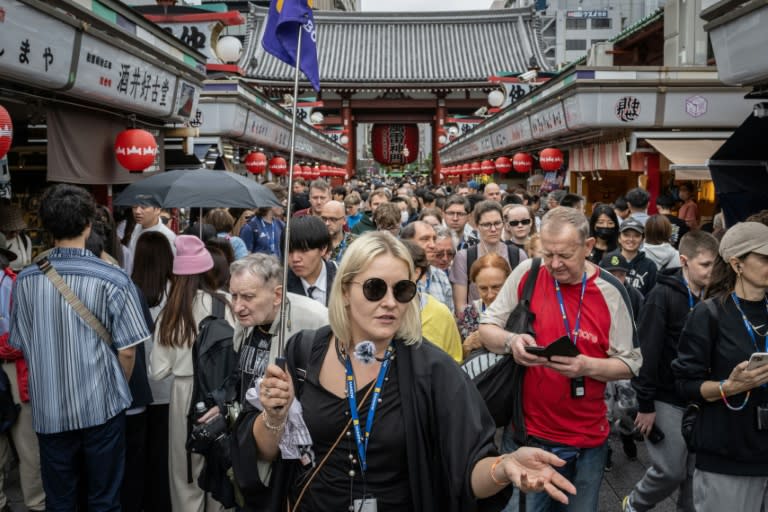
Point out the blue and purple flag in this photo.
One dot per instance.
(281, 35)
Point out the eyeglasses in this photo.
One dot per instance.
(445, 254)
(455, 214)
(490, 225)
(331, 219)
(375, 289)
(515, 223)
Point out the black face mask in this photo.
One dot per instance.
(606, 233)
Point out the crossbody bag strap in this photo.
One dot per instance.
(530, 283)
(47, 269)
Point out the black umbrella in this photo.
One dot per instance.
(197, 188)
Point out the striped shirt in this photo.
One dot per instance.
(75, 379)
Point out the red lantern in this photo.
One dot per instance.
(551, 159)
(135, 149)
(475, 168)
(306, 171)
(298, 171)
(395, 144)
(487, 167)
(278, 166)
(503, 165)
(522, 162)
(256, 163)
(6, 132)
(466, 169)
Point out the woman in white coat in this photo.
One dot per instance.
(190, 301)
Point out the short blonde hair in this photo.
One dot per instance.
(357, 258)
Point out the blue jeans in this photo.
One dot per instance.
(584, 468)
(92, 458)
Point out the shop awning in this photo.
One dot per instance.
(688, 157)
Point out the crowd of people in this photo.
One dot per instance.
(390, 287)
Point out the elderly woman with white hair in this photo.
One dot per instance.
(395, 425)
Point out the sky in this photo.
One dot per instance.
(424, 5)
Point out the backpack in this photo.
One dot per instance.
(513, 254)
(498, 378)
(215, 371)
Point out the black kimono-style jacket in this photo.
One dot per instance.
(448, 430)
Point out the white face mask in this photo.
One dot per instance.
(403, 217)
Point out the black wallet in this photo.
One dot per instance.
(560, 347)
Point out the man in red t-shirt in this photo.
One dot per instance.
(563, 397)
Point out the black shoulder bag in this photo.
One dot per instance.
(497, 376)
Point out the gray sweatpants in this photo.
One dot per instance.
(713, 492)
(671, 465)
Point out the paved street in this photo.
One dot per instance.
(616, 485)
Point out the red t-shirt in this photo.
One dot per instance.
(550, 411)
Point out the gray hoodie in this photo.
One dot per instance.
(663, 255)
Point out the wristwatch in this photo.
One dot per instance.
(508, 343)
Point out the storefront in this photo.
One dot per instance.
(234, 119)
(73, 75)
(612, 125)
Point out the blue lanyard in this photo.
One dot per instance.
(362, 446)
(691, 301)
(748, 326)
(575, 336)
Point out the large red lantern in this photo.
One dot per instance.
(522, 162)
(395, 144)
(278, 166)
(466, 169)
(6, 132)
(298, 171)
(135, 149)
(475, 168)
(487, 167)
(550, 159)
(256, 162)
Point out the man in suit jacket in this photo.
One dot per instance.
(309, 273)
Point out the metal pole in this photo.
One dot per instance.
(287, 233)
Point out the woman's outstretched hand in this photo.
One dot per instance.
(531, 470)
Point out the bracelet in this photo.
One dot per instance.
(493, 470)
(725, 399)
(508, 343)
(273, 428)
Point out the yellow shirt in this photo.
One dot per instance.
(439, 327)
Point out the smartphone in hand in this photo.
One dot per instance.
(757, 360)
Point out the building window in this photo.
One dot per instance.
(601, 23)
(575, 44)
(576, 23)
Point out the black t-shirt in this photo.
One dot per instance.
(387, 475)
(254, 356)
(679, 228)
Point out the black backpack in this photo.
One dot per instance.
(215, 374)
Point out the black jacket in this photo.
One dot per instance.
(661, 321)
(726, 442)
(364, 224)
(448, 430)
(642, 272)
(295, 286)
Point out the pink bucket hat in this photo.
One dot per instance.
(191, 256)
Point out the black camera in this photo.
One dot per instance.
(205, 435)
